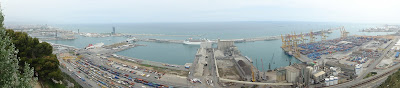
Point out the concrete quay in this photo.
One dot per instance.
(152, 63)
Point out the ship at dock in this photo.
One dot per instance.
(91, 46)
(191, 41)
(131, 40)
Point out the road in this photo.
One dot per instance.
(208, 72)
(213, 69)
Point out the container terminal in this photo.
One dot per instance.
(348, 61)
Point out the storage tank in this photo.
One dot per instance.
(326, 81)
(335, 80)
(358, 69)
(331, 81)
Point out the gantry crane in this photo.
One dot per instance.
(289, 41)
(296, 49)
(303, 40)
(323, 36)
(283, 41)
(343, 33)
(312, 38)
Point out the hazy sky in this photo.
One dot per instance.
(128, 11)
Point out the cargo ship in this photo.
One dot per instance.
(91, 46)
(191, 41)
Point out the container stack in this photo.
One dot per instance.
(315, 50)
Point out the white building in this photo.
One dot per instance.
(358, 69)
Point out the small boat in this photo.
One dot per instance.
(289, 53)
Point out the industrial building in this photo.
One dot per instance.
(206, 44)
(223, 44)
(292, 73)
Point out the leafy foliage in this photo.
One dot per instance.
(38, 54)
(18, 53)
(10, 76)
(393, 81)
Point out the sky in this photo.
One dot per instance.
(148, 11)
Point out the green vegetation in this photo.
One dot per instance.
(22, 56)
(392, 81)
(370, 74)
(50, 84)
(39, 55)
(12, 75)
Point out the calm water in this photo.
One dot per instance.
(181, 54)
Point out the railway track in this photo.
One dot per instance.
(374, 78)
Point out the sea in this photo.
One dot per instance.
(269, 51)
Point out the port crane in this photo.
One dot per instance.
(303, 40)
(252, 74)
(343, 33)
(323, 36)
(312, 38)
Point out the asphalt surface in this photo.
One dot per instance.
(209, 72)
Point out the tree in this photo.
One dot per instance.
(10, 76)
(47, 67)
(39, 55)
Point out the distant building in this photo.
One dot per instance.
(113, 32)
